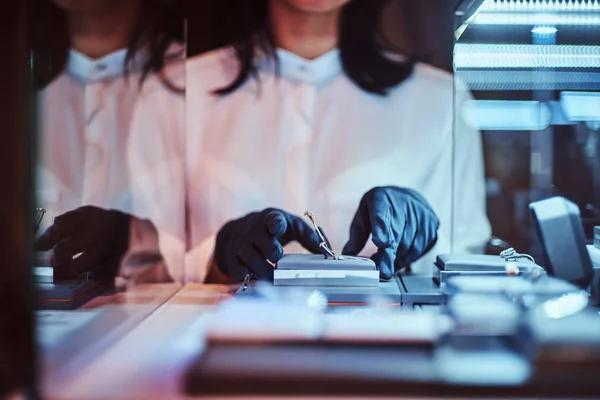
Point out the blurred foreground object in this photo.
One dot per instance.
(17, 353)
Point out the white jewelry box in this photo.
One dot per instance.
(316, 270)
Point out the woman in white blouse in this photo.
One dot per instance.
(91, 60)
(310, 110)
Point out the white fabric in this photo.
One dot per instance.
(85, 116)
(311, 139)
(84, 126)
(157, 163)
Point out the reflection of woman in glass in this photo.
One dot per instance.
(91, 59)
(312, 110)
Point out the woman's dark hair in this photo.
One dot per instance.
(368, 58)
(160, 24)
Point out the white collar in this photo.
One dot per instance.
(86, 69)
(295, 68)
(112, 65)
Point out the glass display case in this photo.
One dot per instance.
(533, 68)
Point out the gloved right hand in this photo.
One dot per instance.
(253, 242)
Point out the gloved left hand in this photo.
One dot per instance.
(101, 236)
(402, 224)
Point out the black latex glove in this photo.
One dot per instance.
(101, 235)
(403, 227)
(245, 244)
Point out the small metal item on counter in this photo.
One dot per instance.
(324, 242)
(512, 255)
(246, 282)
(511, 258)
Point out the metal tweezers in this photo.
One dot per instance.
(247, 280)
(325, 244)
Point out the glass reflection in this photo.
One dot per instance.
(93, 62)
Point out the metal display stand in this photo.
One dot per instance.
(407, 290)
(340, 295)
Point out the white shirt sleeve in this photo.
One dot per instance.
(157, 170)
